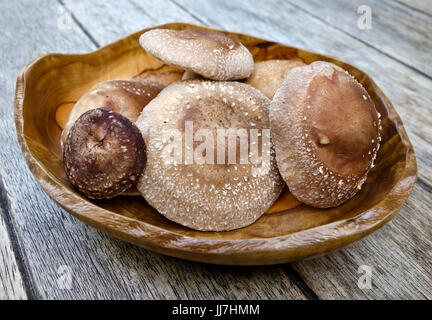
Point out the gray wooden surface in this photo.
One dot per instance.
(41, 244)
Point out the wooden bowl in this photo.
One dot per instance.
(302, 232)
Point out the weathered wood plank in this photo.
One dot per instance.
(420, 5)
(395, 30)
(11, 282)
(107, 26)
(59, 248)
(400, 252)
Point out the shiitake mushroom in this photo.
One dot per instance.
(104, 154)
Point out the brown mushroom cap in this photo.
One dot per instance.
(127, 97)
(212, 197)
(211, 54)
(325, 129)
(104, 154)
(268, 75)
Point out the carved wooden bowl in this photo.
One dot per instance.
(302, 232)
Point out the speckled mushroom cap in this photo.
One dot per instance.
(208, 197)
(211, 54)
(127, 97)
(104, 154)
(325, 129)
(268, 75)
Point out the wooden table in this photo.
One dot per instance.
(47, 254)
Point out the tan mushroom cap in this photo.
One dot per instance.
(208, 197)
(325, 129)
(268, 75)
(104, 154)
(127, 97)
(211, 54)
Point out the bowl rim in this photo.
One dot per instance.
(254, 251)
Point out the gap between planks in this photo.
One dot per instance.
(82, 28)
(20, 257)
(424, 185)
(414, 8)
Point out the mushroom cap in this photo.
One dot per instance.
(268, 75)
(325, 130)
(211, 54)
(104, 154)
(205, 196)
(127, 97)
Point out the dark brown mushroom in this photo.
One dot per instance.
(127, 97)
(104, 154)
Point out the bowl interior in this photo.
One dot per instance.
(56, 79)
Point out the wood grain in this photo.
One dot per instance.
(107, 26)
(422, 6)
(399, 254)
(11, 282)
(101, 266)
(335, 276)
